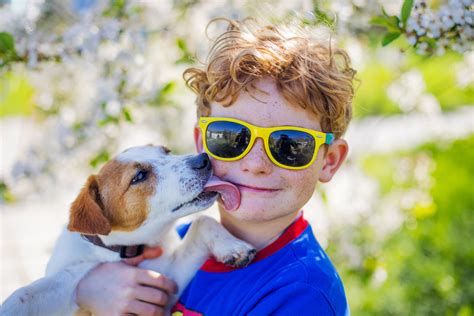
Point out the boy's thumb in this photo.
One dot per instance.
(148, 253)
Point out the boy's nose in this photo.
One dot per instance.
(257, 161)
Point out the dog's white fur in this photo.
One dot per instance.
(174, 183)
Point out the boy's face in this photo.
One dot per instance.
(279, 191)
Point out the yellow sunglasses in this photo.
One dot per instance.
(288, 147)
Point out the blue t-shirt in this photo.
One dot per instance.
(292, 276)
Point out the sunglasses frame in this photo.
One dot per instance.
(264, 133)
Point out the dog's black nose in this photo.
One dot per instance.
(200, 162)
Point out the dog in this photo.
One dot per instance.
(134, 201)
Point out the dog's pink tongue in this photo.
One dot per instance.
(229, 193)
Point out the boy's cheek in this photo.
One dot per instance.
(304, 181)
(219, 167)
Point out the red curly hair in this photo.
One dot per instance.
(307, 72)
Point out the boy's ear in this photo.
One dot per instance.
(333, 158)
(198, 140)
(87, 215)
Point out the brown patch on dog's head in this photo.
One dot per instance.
(112, 201)
(87, 213)
(126, 205)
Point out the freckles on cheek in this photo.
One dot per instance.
(219, 168)
(303, 186)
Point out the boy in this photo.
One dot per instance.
(272, 106)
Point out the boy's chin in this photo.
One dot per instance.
(253, 212)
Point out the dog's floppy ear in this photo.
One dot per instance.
(86, 215)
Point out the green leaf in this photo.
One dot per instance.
(181, 44)
(7, 43)
(322, 17)
(406, 11)
(379, 20)
(431, 42)
(390, 37)
(127, 115)
(168, 88)
(108, 120)
(162, 95)
(5, 193)
(390, 22)
(7, 48)
(101, 157)
(115, 9)
(186, 57)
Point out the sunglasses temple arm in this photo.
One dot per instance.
(329, 138)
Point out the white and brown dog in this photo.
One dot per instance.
(134, 201)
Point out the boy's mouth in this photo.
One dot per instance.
(252, 188)
(229, 191)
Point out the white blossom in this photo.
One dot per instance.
(450, 26)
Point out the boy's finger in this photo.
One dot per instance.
(137, 307)
(151, 295)
(152, 252)
(156, 280)
(148, 253)
(134, 261)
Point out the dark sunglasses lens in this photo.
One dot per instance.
(227, 139)
(292, 148)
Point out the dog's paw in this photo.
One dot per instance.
(238, 256)
(240, 261)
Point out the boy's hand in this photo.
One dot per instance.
(117, 288)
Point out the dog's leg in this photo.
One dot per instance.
(51, 295)
(221, 244)
(205, 236)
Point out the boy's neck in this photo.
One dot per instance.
(259, 234)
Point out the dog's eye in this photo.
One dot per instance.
(139, 177)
